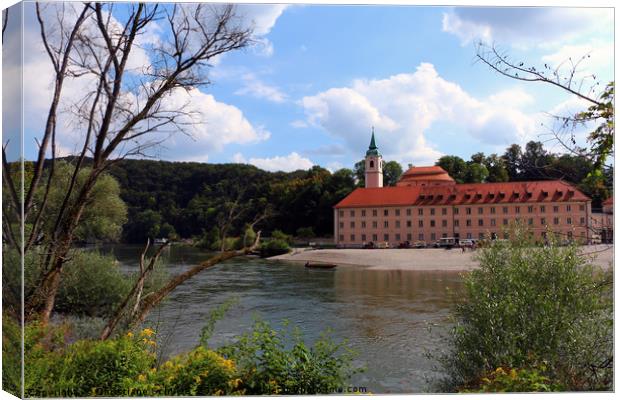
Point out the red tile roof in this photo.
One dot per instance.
(609, 201)
(434, 173)
(468, 193)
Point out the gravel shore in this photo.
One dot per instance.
(415, 259)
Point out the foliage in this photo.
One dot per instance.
(305, 232)
(201, 372)
(527, 305)
(273, 247)
(515, 380)
(92, 285)
(602, 138)
(391, 173)
(214, 316)
(105, 214)
(271, 362)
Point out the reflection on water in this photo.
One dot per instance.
(384, 315)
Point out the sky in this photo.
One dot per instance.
(319, 77)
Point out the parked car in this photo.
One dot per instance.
(369, 245)
(383, 245)
(466, 243)
(404, 245)
(420, 244)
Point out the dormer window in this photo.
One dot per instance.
(422, 197)
(515, 194)
(571, 192)
(467, 196)
(452, 197)
(528, 194)
(492, 195)
(545, 193)
(478, 195)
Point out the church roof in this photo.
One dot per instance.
(373, 150)
(464, 194)
(433, 173)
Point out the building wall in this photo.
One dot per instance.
(396, 224)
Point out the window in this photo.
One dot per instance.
(420, 223)
(568, 207)
(556, 221)
(530, 221)
(374, 237)
(433, 237)
(363, 237)
(480, 210)
(468, 235)
(505, 210)
(372, 164)
(397, 212)
(444, 211)
(456, 222)
(444, 235)
(363, 224)
(352, 213)
(386, 212)
(455, 210)
(398, 224)
(582, 207)
(506, 235)
(530, 209)
(517, 210)
(341, 238)
(363, 213)
(480, 222)
(386, 237)
(341, 213)
(398, 237)
(374, 213)
(408, 211)
(492, 210)
(582, 220)
(468, 210)
(468, 222)
(505, 221)
(444, 223)
(432, 211)
(569, 220)
(493, 222)
(556, 209)
(542, 208)
(352, 224)
(481, 236)
(570, 234)
(408, 224)
(374, 224)
(432, 223)
(421, 236)
(353, 238)
(342, 225)
(386, 224)
(543, 221)
(409, 238)
(420, 211)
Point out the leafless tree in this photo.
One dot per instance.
(122, 111)
(569, 77)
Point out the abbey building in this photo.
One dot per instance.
(427, 204)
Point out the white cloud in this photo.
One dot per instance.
(403, 108)
(299, 124)
(524, 26)
(291, 162)
(253, 86)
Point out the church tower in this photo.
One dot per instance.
(374, 165)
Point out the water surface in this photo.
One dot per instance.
(384, 315)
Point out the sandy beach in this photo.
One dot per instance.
(415, 259)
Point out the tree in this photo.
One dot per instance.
(94, 42)
(476, 173)
(360, 173)
(497, 169)
(566, 76)
(512, 159)
(455, 167)
(391, 173)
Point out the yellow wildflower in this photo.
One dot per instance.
(499, 370)
(218, 392)
(141, 378)
(148, 332)
(513, 374)
(152, 343)
(129, 334)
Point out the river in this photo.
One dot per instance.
(384, 315)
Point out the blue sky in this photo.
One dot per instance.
(321, 76)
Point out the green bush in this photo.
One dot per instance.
(92, 284)
(515, 380)
(201, 372)
(530, 305)
(271, 362)
(279, 235)
(273, 247)
(305, 233)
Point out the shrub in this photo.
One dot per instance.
(92, 284)
(273, 247)
(279, 235)
(271, 362)
(201, 372)
(529, 305)
(515, 380)
(305, 233)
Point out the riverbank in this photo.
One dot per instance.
(415, 259)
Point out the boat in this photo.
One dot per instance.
(320, 265)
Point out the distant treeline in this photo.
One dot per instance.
(189, 199)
